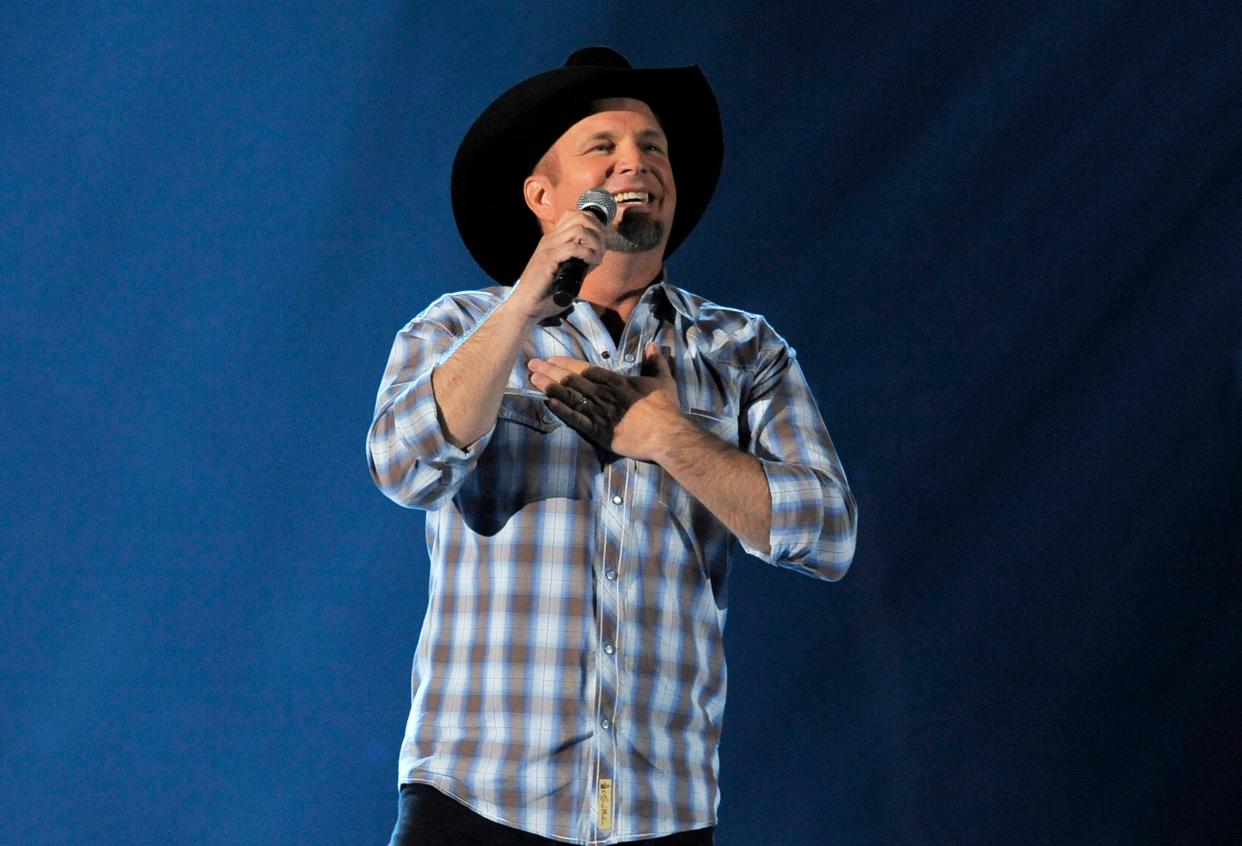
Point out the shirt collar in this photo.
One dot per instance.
(674, 296)
(659, 295)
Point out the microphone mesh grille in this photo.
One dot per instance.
(600, 202)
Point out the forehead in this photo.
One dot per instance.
(614, 115)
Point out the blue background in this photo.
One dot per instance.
(1003, 237)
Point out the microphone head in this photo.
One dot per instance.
(599, 203)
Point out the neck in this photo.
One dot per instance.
(617, 283)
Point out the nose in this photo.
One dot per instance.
(629, 159)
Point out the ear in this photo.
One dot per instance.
(535, 190)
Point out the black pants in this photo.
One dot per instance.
(426, 817)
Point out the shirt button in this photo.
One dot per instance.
(608, 650)
(604, 722)
(629, 356)
(605, 354)
(616, 499)
(610, 574)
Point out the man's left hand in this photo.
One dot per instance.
(629, 415)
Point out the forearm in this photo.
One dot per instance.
(469, 384)
(730, 483)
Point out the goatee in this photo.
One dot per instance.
(634, 233)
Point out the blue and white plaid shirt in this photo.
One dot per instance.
(570, 675)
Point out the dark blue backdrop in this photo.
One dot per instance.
(1004, 239)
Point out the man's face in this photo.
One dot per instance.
(622, 149)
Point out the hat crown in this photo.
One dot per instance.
(597, 57)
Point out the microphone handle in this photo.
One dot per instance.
(568, 281)
(570, 273)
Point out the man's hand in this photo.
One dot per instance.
(639, 417)
(633, 416)
(577, 234)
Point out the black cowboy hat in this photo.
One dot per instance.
(513, 133)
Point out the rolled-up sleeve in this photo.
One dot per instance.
(410, 459)
(814, 515)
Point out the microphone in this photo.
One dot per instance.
(569, 273)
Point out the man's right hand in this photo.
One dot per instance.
(577, 234)
(469, 384)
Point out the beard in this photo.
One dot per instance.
(634, 233)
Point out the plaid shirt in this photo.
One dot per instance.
(570, 675)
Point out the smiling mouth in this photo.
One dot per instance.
(631, 198)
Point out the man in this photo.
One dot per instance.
(584, 471)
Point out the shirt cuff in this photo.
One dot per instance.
(417, 423)
(797, 512)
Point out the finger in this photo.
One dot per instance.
(599, 375)
(571, 216)
(576, 420)
(587, 387)
(568, 397)
(591, 252)
(574, 240)
(593, 408)
(540, 382)
(544, 376)
(579, 234)
(572, 365)
(575, 226)
(552, 368)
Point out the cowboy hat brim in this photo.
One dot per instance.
(513, 133)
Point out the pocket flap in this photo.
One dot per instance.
(528, 409)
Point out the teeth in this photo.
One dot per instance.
(632, 196)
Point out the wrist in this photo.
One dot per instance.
(518, 310)
(677, 435)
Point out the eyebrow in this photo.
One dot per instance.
(606, 135)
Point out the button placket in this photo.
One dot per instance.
(607, 679)
(612, 517)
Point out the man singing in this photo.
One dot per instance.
(584, 471)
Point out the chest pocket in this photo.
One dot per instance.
(527, 410)
(722, 423)
(532, 456)
(710, 392)
(711, 395)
